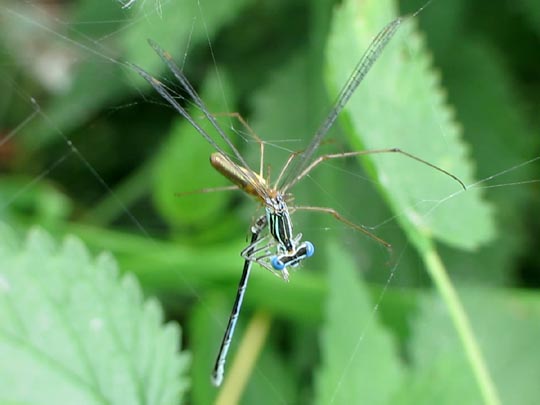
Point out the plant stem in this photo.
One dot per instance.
(461, 322)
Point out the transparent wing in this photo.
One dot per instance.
(162, 90)
(364, 65)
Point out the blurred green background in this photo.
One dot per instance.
(88, 149)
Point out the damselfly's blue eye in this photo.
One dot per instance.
(310, 249)
(277, 264)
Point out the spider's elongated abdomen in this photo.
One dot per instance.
(247, 180)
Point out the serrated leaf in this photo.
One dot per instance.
(400, 104)
(72, 332)
(495, 126)
(360, 363)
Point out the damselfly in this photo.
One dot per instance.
(279, 249)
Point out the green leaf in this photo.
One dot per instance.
(270, 382)
(182, 164)
(205, 333)
(360, 363)
(72, 331)
(284, 121)
(531, 11)
(400, 104)
(505, 323)
(492, 113)
(45, 203)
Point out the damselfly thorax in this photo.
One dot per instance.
(277, 218)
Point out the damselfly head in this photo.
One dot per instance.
(282, 261)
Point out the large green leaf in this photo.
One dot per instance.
(400, 104)
(496, 127)
(73, 332)
(360, 363)
(505, 323)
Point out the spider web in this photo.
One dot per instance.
(49, 53)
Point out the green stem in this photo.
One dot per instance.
(461, 322)
(175, 268)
